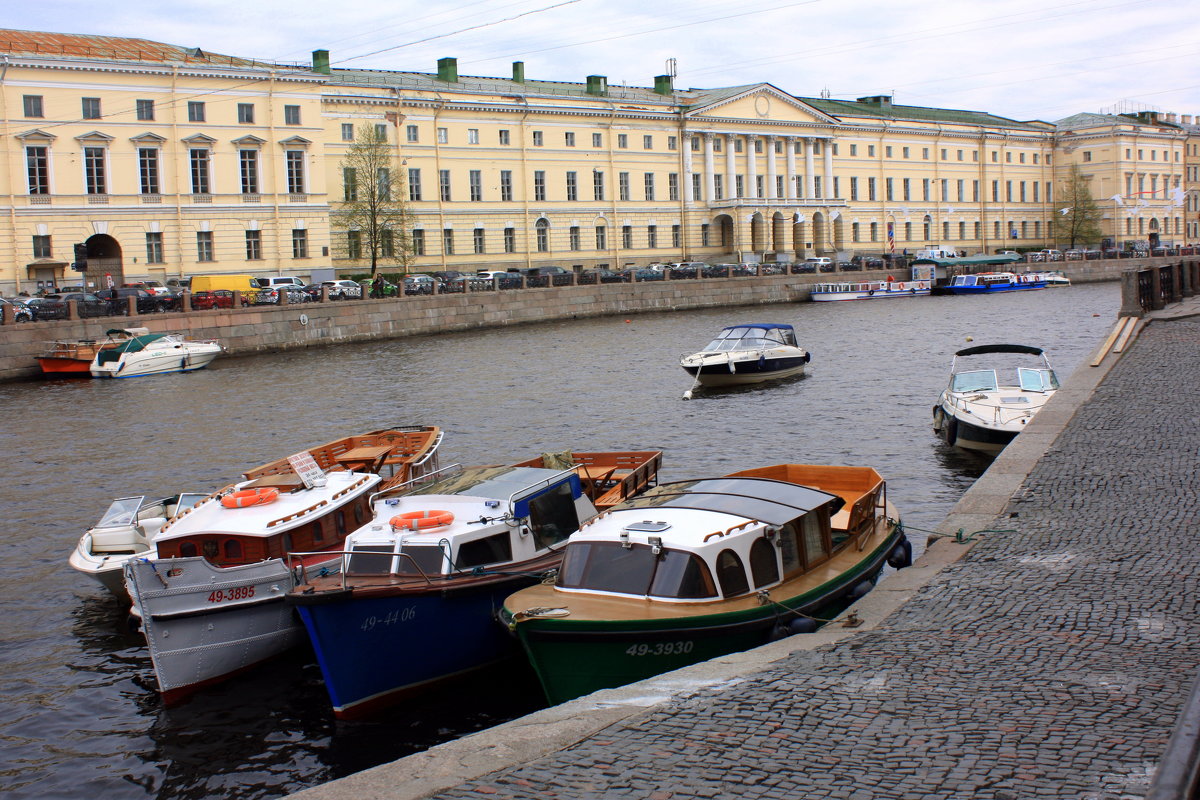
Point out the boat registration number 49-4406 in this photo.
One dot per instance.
(398, 615)
(236, 593)
(660, 649)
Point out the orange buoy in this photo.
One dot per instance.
(251, 497)
(420, 520)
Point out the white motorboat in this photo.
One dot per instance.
(984, 407)
(146, 353)
(126, 530)
(1054, 278)
(868, 290)
(750, 353)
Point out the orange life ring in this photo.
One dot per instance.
(420, 520)
(251, 497)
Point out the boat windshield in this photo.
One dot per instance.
(980, 380)
(635, 570)
(750, 338)
(1037, 380)
(121, 512)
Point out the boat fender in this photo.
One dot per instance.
(251, 497)
(780, 631)
(951, 431)
(802, 625)
(901, 555)
(861, 589)
(807, 357)
(871, 293)
(421, 520)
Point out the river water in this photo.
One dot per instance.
(79, 716)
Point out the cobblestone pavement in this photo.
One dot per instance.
(1051, 662)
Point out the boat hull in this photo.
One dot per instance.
(156, 363)
(869, 291)
(967, 434)
(204, 624)
(746, 372)
(573, 659)
(374, 651)
(996, 288)
(66, 367)
(107, 569)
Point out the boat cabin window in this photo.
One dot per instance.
(552, 516)
(121, 512)
(233, 550)
(339, 523)
(317, 532)
(980, 380)
(488, 550)
(764, 567)
(816, 544)
(370, 560)
(187, 550)
(731, 574)
(418, 559)
(210, 550)
(751, 338)
(1036, 380)
(635, 570)
(790, 550)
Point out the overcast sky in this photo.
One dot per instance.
(1025, 59)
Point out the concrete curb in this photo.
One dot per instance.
(521, 740)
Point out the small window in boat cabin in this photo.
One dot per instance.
(763, 565)
(318, 532)
(1036, 380)
(980, 380)
(608, 567)
(339, 522)
(488, 550)
(210, 549)
(233, 550)
(360, 510)
(370, 560)
(682, 575)
(420, 559)
(731, 574)
(816, 544)
(789, 550)
(187, 550)
(552, 516)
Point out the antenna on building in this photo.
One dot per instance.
(825, 93)
(672, 68)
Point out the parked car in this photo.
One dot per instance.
(268, 281)
(153, 287)
(504, 280)
(591, 277)
(717, 270)
(179, 284)
(343, 290)
(147, 303)
(420, 284)
(386, 287)
(441, 276)
(1050, 255)
(683, 270)
(219, 298)
(639, 274)
(547, 270)
(21, 312)
(270, 296)
(54, 306)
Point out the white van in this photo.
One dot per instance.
(937, 252)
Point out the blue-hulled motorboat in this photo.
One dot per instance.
(995, 282)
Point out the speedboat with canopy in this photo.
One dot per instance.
(750, 353)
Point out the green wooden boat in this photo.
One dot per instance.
(697, 569)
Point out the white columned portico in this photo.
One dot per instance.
(827, 182)
(808, 168)
(789, 183)
(687, 168)
(730, 167)
(771, 192)
(751, 167)
(709, 183)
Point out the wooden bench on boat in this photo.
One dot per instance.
(608, 477)
(404, 446)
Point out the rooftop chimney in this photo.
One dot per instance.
(448, 70)
(663, 85)
(320, 61)
(597, 85)
(881, 100)
(518, 72)
(1185, 119)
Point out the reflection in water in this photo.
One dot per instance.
(80, 716)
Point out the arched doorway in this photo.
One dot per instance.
(104, 262)
(542, 235)
(800, 239)
(758, 233)
(1154, 237)
(839, 233)
(779, 240)
(819, 236)
(724, 226)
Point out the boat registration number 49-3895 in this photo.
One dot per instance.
(660, 649)
(236, 593)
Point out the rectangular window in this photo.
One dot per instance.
(248, 167)
(853, 150)
(93, 170)
(627, 237)
(622, 141)
(41, 247)
(245, 113)
(853, 189)
(91, 108)
(925, 189)
(946, 231)
(573, 237)
(204, 246)
(870, 188)
(871, 150)
(145, 110)
(148, 170)
(704, 234)
(510, 240)
(739, 184)
(887, 151)
(908, 231)
(1036, 193)
(672, 143)
(696, 178)
(537, 138)
(597, 140)
(154, 248)
(718, 187)
(995, 191)
(623, 185)
(506, 186)
(253, 245)
(505, 137)
(651, 236)
(444, 185)
(854, 232)
(472, 135)
(817, 191)
(672, 185)
(32, 104)
(597, 185)
(572, 187)
(475, 177)
(874, 231)
(411, 133)
(601, 237)
(299, 243)
(836, 190)
(448, 241)
(907, 184)
(347, 132)
(414, 184)
(195, 111)
(418, 242)
(349, 184)
(291, 115)
(1022, 192)
(1008, 191)
(295, 171)
(889, 193)
(539, 186)
(443, 135)
(569, 138)
(354, 245)
(387, 243)
(37, 169)
(676, 236)
(647, 142)
(477, 238)
(198, 160)
(649, 185)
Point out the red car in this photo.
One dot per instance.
(205, 301)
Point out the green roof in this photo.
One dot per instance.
(859, 108)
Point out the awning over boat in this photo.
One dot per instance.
(772, 502)
(134, 345)
(970, 261)
(1000, 348)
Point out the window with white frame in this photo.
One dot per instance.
(195, 111)
(32, 106)
(347, 131)
(91, 108)
(148, 171)
(253, 245)
(154, 247)
(475, 181)
(443, 135)
(295, 171)
(248, 171)
(299, 243)
(37, 169)
(291, 115)
(204, 246)
(245, 113)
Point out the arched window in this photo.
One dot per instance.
(339, 522)
(187, 550)
(764, 566)
(542, 229)
(731, 574)
(318, 531)
(233, 550)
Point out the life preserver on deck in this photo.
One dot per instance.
(420, 520)
(251, 497)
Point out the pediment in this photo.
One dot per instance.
(249, 141)
(762, 103)
(36, 135)
(94, 137)
(295, 141)
(199, 139)
(148, 139)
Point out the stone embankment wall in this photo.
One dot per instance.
(274, 328)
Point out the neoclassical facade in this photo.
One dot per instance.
(162, 161)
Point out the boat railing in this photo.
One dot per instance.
(300, 576)
(388, 488)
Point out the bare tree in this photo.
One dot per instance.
(372, 215)
(1078, 219)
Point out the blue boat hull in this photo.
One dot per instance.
(375, 650)
(996, 288)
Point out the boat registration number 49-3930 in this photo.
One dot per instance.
(660, 649)
(236, 593)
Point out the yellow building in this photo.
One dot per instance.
(162, 161)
